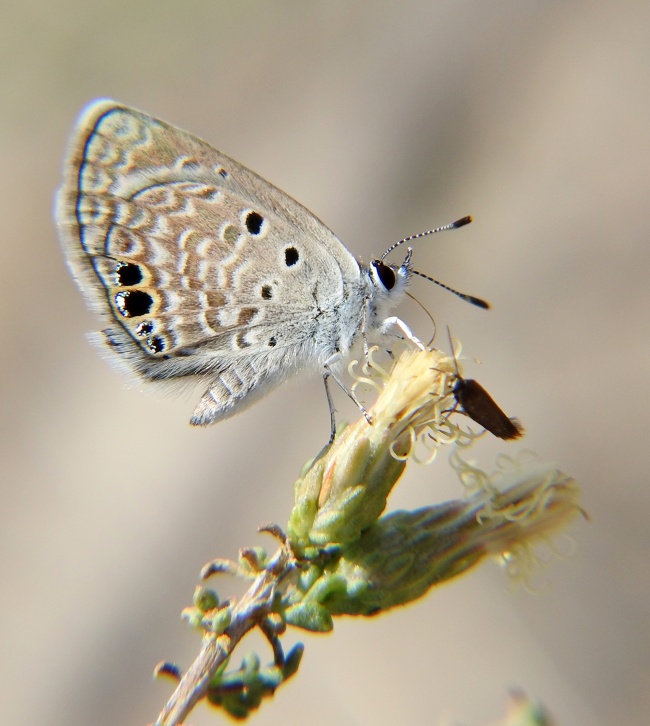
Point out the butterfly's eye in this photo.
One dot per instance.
(385, 274)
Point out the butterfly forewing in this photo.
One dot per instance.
(195, 261)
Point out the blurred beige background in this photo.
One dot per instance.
(385, 119)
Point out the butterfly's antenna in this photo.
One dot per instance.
(454, 225)
(433, 322)
(468, 298)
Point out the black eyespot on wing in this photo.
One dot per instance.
(291, 256)
(156, 344)
(128, 274)
(477, 403)
(267, 292)
(144, 328)
(385, 273)
(133, 303)
(272, 342)
(254, 222)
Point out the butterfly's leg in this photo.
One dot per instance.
(395, 322)
(330, 372)
(330, 403)
(364, 335)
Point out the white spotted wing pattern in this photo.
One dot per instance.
(199, 267)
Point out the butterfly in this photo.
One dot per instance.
(201, 268)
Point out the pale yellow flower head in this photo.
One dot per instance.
(368, 563)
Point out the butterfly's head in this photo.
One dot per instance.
(406, 271)
(389, 282)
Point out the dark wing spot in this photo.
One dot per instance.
(267, 292)
(254, 222)
(222, 173)
(272, 342)
(127, 274)
(156, 344)
(144, 329)
(291, 256)
(133, 303)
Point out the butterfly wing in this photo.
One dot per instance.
(199, 265)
